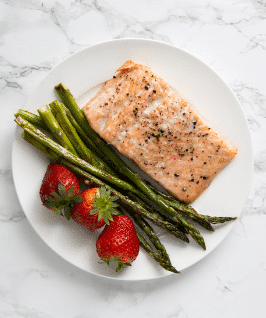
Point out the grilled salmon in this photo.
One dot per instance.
(146, 120)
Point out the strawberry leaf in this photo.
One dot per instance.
(104, 205)
(55, 195)
(57, 211)
(114, 205)
(115, 212)
(94, 211)
(120, 263)
(67, 212)
(62, 201)
(61, 189)
(78, 199)
(70, 192)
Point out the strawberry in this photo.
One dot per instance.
(59, 189)
(118, 241)
(96, 209)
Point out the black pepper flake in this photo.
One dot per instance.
(191, 180)
(114, 76)
(184, 189)
(197, 182)
(176, 175)
(205, 178)
(154, 91)
(146, 87)
(205, 162)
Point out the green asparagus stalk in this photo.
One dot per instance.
(32, 118)
(217, 219)
(84, 152)
(37, 121)
(37, 144)
(71, 104)
(90, 144)
(163, 195)
(55, 129)
(204, 220)
(156, 256)
(191, 213)
(153, 237)
(149, 207)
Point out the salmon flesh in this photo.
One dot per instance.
(147, 121)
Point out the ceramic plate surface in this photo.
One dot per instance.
(201, 87)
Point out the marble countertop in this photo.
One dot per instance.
(227, 35)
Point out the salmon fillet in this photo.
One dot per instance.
(146, 120)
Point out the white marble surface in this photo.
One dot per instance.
(230, 36)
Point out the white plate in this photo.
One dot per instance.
(202, 88)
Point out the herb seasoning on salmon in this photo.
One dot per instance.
(146, 120)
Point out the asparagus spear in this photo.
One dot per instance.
(55, 129)
(156, 256)
(218, 219)
(90, 144)
(191, 213)
(204, 220)
(71, 104)
(32, 118)
(144, 225)
(84, 152)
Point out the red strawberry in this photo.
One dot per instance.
(96, 209)
(118, 241)
(59, 189)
